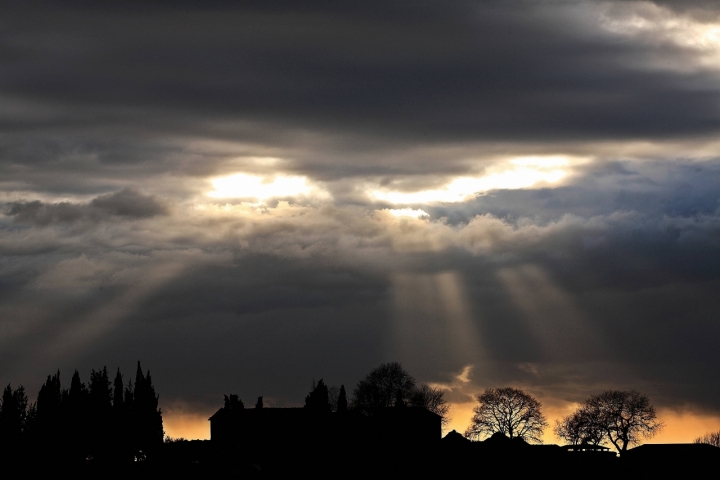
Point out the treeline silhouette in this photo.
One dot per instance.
(387, 426)
(98, 421)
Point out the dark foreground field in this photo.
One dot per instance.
(203, 459)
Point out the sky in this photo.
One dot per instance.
(247, 196)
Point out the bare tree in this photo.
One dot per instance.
(579, 428)
(509, 411)
(710, 439)
(624, 418)
(388, 383)
(433, 399)
(380, 387)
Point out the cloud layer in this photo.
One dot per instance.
(125, 203)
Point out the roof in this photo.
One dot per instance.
(455, 437)
(584, 447)
(267, 412)
(674, 450)
(414, 411)
(675, 446)
(294, 412)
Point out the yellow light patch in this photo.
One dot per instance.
(408, 212)
(261, 188)
(516, 173)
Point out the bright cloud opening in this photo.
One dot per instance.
(261, 188)
(518, 173)
(408, 212)
(657, 24)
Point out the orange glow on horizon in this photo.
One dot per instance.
(187, 425)
(680, 426)
(684, 427)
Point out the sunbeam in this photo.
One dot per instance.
(434, 317)
(551, 315)
(458, 315)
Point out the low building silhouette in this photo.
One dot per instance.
(279, 427)
(585, 448)
(672, 453)
(454, 438)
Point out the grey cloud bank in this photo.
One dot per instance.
(125, 203)
(117, 118)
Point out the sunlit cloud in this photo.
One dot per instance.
(517, 173)
(464, 376)
(660, 25)
(408, 212)
(262, 188)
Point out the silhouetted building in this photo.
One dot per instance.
(260, 426)
(590, 451)
(407, 425)
(455, 438)
(673, 453)
(585, 447)
(278, 427)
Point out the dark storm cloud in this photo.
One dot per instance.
(126, 203)
(466, 70)
(116, 94)
(129, 203)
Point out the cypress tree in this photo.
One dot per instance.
(30, 420)
(129, 396)
(100, 409)
(21, 400)
(156, 433)
(100, 390)
(76, 419)
(139, 382)
(48, 418)
(13, 410)
(118, 399)
(127, 427)
(317, 401)
(118, 412)
(233, 402)
(147, 417)
(342, 402)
